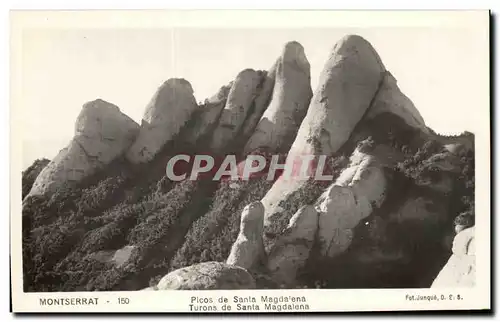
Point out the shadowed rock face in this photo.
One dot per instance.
(460, 270)
(170, 108)
(238, 104)
(207, 276)
(102, 133)
(290, 99)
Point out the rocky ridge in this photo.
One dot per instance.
(384, 220)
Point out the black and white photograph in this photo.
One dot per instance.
(252, 158)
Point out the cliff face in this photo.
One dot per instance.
(387, 216)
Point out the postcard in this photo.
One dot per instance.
(250, 161)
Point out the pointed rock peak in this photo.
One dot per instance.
(355, 45)
(291, 95)
(99, 104)
(294, 52)
(221, 94)
(294, 44)
(180, 83)
(99, 116)
(249, 72)
(238, 105)
(252, 212)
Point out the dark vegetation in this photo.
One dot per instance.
(121, 205)
(69, 239)
(389, 249)
(29, 175)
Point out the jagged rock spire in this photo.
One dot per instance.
(238, 104)
(292, 93)
(347, 86)
(248, 249)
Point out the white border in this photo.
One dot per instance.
(319, 300)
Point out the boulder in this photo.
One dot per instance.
(390, 99)
(248, 249)
(350, 199)
(291, 251)
(102, 256)
(102, 133)
(239, 101)
(208, 116)
(118, 257)
(460, 270)
(207, 276)
(122, 255)
(168, 111)
(347, 86)
(292, 93)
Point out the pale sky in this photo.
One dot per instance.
(64, 68)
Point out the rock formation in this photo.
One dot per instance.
(168, 111)
(398, 196)
(460, 270)
(290, 99)
(122, 255)
(261, 102)
(238, 104)
(207, 276)
(102, 133)
(248, 249)
(292, 250)
(209, 115)
(389, 98)
(116, 257)
(347, 86)
(358, 189)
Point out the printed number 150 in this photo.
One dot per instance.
(123, 300)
